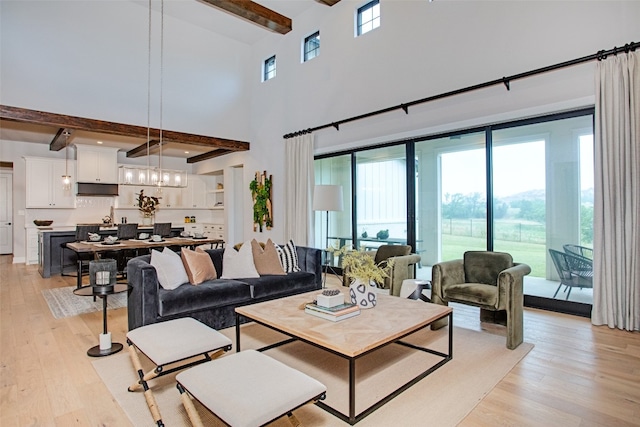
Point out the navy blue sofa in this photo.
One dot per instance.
(213, 302)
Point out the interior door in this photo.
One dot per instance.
(6, 213)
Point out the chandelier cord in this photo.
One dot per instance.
(160, 179)
(149, 94)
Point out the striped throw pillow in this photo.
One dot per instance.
(288, 257)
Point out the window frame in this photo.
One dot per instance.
(267, 72)
(358, 18)
(316, 50)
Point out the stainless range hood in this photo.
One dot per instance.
(94, 189)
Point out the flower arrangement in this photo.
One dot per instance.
(147, 204)
(361, 265)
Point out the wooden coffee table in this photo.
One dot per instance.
(394, 318)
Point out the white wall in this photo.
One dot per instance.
(423, 49)
(89, 59)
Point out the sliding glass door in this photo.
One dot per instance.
(521, 187)
(543, 198)
(381, 197)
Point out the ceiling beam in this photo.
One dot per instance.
(207, 156)
(328, 2)
(60, 141)
(24, 115)
(254, 12)
(142, 150)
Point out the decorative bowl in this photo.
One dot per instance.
(94, 237)
(43, 222)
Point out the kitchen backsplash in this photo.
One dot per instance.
(93, 209)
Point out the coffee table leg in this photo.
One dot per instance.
(237, 333)
(352, 390)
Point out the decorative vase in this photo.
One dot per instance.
(363, 294)
(147, 220)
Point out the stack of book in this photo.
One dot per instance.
(336, 313)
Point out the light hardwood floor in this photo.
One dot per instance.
(577, 374)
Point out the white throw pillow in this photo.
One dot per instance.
(238, 264)
(169, 267)
(288, 257)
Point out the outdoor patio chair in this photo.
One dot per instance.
(579, 250)
(575, 271)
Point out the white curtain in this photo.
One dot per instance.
(616, 294)
(300, 180)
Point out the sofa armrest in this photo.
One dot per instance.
(310, 260)
(444, 273)
(403, 268)
(142, 300)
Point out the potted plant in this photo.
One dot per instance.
(362, 268)
(147, 205)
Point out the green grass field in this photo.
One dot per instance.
(532, 254)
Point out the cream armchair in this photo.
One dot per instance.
(404, 266)
(489, 280)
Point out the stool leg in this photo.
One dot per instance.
(193, 415)
(148, 394)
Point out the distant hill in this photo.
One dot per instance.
(586, 196)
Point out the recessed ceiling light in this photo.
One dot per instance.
(186, 152)
(99, 142)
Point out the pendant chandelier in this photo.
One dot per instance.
(66, 178)
(151, 175)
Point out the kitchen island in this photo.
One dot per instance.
(50, 248)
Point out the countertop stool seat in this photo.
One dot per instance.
(171, 342)
(247, 389)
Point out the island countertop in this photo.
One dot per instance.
(51, 239)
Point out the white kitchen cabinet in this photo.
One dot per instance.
(172, 198)
(214, 231)
(127, 197)
(97, 164)
(44, 184)
(195, 194)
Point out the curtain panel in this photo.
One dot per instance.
(300, 179)
(616, 295)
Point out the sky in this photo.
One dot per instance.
(517, 168)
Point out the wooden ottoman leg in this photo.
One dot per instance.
(194, 417)
(293, 420)
(148, 394)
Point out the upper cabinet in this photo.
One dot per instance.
(195, 195)
(97, 164)
(44, 184)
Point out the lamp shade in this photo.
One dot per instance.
(327, 198)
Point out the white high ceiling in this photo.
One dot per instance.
(196, 13)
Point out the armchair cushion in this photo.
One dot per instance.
(472, 293)
(484, 267)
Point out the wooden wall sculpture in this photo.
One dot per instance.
(262, 207)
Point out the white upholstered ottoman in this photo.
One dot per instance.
(247, 389)
(169, 343)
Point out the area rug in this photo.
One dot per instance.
(64, 303)
(444, 398)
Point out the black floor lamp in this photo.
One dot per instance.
(327, 198)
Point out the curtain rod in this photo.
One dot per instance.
(506, 81)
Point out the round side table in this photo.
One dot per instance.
(91, 291)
